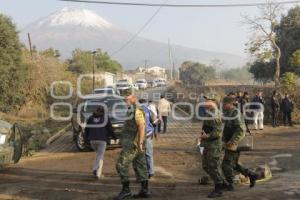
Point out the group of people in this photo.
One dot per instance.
(283, 104)
(136, 140)
(277, 104)
(139, 131)
(218, 131)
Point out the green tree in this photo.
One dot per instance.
(51, 52)
(11, 70)
(289, 39)
(265, 44)
(289, 81)
(196, 73)
(82, 62)
(263, 71)
(238, 74)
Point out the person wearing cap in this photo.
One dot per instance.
(133, 151)
(211, 140)
(234, 131)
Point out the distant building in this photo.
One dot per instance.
(106, 78)
(159, 71)
(154, 71)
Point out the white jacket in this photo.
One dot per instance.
(164, 107)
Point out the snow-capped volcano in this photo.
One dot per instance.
(69, 29)
(75, 17)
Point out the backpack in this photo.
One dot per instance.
(149, 126)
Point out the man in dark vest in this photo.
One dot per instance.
(287, 107)
(275, 105)
(133, 143)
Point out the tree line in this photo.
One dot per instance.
(275, 44)
(26, 79)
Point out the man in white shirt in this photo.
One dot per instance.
(164, 108)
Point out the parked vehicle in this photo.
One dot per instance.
(11, 146)
(160, 82)
(135, 86)
(151, 84)
(108, 90)
(84, 108)
(124, 86)
(141, 83)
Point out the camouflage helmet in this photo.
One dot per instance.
(212, 96)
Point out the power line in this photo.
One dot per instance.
(181, 5)
(140, 30)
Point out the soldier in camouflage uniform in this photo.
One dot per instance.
(234, 132)
(211, 140)
(133, 140)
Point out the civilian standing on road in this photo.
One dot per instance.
(99, 131)
(275, 106)
(211, 140)
(133, 152)
(233, 133)
(258, 111)
(287, 107)
(149, 138)
(164, 108)
(243, 103)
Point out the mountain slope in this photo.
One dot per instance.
(69, 29)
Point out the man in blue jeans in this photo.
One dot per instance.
(149, 138)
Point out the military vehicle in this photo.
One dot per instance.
(11, 146)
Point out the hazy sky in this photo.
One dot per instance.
(214, 29)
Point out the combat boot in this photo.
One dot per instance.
(144, 193)
(227, 187)
(125, 193)
(253, 177)
(217, 192)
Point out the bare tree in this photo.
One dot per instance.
(264, 42)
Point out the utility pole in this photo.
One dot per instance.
(171, 63)
(145, 66)
(30, 46)
(173, 72)
(93, 63)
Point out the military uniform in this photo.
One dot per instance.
(234, 132)
(129, 153)
(211, 161)
(212, 143)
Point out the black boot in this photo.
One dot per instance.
(125, 193)
(227, 187)
(217, 192)
(253, 177)
(144, 193)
